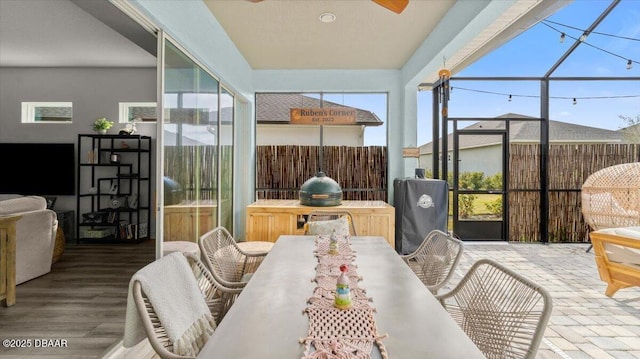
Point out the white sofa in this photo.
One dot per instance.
(35, 235)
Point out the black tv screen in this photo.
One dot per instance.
(37, 169)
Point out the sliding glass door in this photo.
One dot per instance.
(197, 143)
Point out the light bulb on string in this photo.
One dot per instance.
(629, 64)
(575, 101)
(562, 36)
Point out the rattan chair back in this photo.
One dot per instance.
(228, 264)
(436, 259)
(611, 197)
(329, 215)
(155, 331)
(504, 313)
(218, 298)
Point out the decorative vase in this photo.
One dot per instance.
(102, 132)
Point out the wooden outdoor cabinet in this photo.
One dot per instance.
(268, 219)
(189, 220)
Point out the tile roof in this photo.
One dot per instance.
(273, 108)
(529, 131)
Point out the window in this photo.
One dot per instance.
(47, 112)
(140, 111)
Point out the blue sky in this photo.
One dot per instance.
(532, 54)
(535, 51)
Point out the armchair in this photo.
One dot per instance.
(35, 235)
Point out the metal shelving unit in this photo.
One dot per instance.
(113, 188)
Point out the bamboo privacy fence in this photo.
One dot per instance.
(569, 166)
(194, 168)
(361, 172)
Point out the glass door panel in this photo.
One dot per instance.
(479, 187)
(226, 159)
(190, 132)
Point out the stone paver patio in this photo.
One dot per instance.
(585, 323)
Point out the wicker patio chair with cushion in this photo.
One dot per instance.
(436, 259)
(228, 263)
(617, 255)
(167, 306)
(325, 222)
(504, 313)
(611, 197)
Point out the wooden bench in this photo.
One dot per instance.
(617, 253)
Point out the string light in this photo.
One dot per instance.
(574, 99)
(629, 64)
(593, 32)
(583, 37)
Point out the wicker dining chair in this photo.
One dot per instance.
(227, 262)
(153, 328)
(218, 298)
(504, 313)
(436, 259)
(328, 215)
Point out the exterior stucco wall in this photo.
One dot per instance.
(308, 135)
(487, 159)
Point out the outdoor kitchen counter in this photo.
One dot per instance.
(268, 219)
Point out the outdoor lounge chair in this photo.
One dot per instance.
(617, 253)
(611, 197)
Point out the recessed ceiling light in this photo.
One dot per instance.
(327, 17)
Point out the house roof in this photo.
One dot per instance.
(273, 108)
(529, 132)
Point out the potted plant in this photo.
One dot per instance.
(101, 125)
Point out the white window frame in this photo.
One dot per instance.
(29, 111)
(124, 110)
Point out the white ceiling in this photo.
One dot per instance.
(271, 34)
(286, 34)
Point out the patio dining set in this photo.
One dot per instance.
(229, 303)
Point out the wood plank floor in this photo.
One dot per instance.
(82, 301)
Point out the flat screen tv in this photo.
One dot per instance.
(37, 169)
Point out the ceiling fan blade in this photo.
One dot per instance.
(396, 6)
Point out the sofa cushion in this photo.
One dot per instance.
(22, 204)
(620, 254)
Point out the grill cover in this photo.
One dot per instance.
(421, 206)
(320, 191)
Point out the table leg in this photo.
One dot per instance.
(11, 265)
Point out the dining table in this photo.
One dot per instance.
(268, 319)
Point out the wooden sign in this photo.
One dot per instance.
(411, 152)
(323, 116)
